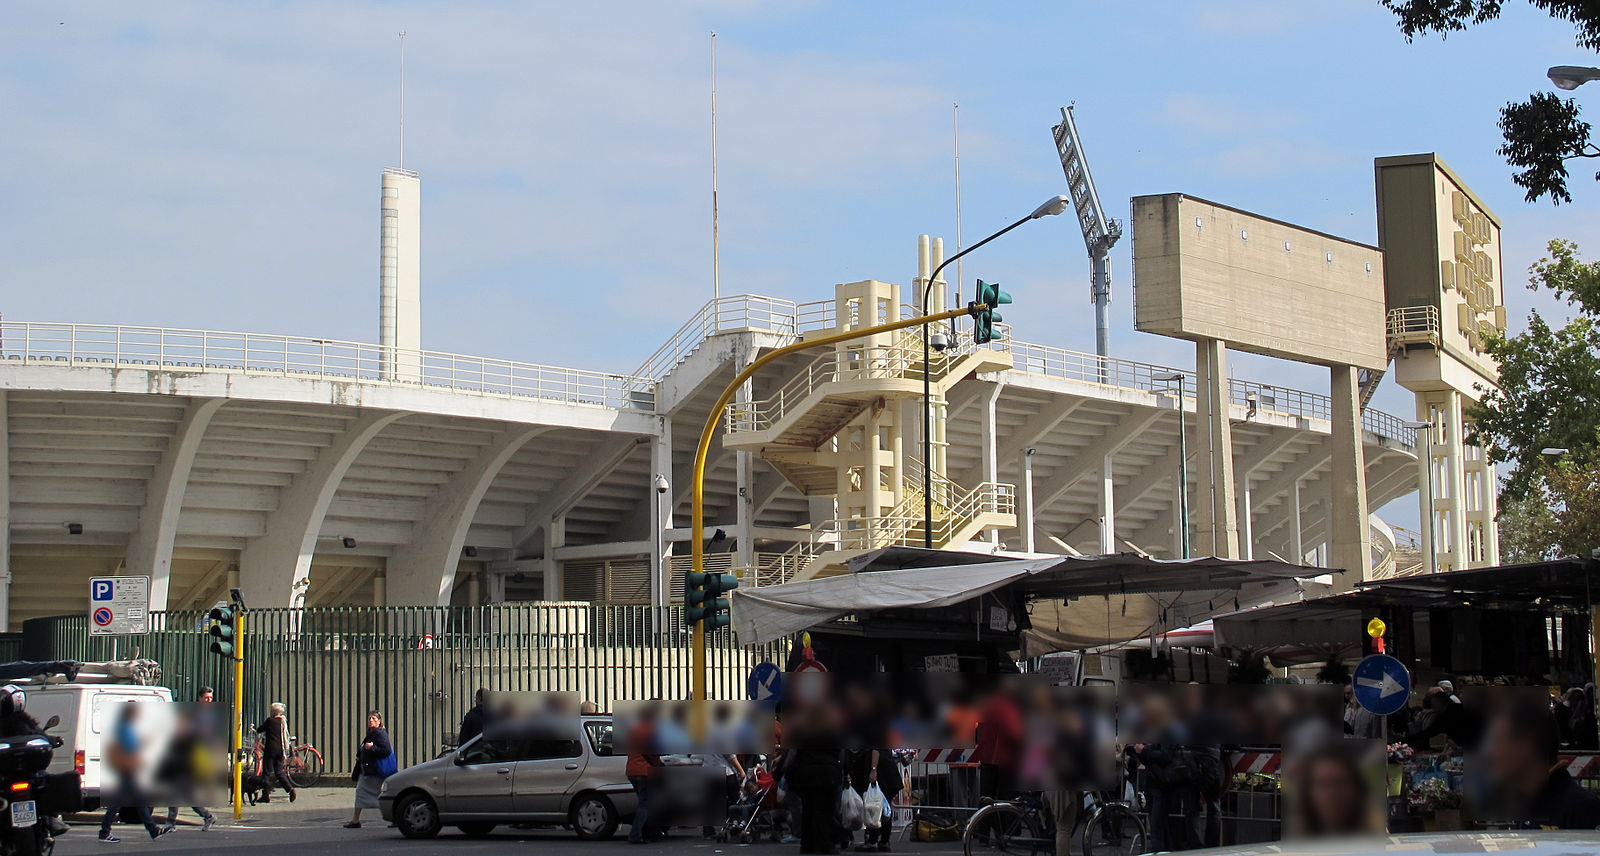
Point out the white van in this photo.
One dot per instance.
(87, 712)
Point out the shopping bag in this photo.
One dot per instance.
(852, 810)
(874, 806)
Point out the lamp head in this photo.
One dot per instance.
(1570, 77)
(1052, 206)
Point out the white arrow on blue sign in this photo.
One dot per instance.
(1381, 684)
(765, 684)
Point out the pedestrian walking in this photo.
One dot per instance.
(644, 762)
(126, 762)
(375, 762)
(187, 761)
(275, 750)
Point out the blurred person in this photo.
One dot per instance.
(724, 772)
(375, 749)
(125, 754)
(1170, 774)
(1576, 719)
(999, 744)
(187, 761)
(1333, 797)
(275, 750)
(961, 725)
(1530, 787)
(813, 773)
(1461, 725)
(476, 717)
(1207, 731)
(873, 763)
(644, 762)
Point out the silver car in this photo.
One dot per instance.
(559, 771)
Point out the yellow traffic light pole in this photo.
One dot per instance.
(698, 509)
(238, 713)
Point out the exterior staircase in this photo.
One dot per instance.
(790, 428)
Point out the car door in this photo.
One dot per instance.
(481, 782)
(552, 759)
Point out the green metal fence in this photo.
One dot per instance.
(418, 665)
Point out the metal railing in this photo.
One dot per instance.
(419, 665)
(728, 314)
(183, 350)
(1414, 324)
(1130, 374)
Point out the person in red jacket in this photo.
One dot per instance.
(999, 745)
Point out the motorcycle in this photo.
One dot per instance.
(29, 796)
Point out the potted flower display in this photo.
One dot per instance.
(1399, 754)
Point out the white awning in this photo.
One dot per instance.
(775, 612)
(1076, 601)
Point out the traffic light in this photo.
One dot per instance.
(701, 602)
(989, 297)
(224, 631)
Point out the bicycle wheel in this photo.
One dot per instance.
(1115, 828)
(1005, 828)
(304, 768)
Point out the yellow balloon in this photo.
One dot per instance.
(1376, 627)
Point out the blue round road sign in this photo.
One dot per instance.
(1381, 684)
(765, 684)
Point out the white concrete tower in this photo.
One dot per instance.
(399, 275)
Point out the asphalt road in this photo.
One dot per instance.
(312, 826)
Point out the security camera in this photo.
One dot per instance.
(661, 483)
(939, 341)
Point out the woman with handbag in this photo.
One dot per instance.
(375, 762)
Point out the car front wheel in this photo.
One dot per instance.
(417, 816)
(593, 817)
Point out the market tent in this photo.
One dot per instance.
(1564, 584)
(1074, 601)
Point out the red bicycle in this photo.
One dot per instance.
(304, 767)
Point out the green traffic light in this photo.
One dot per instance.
(989, 296)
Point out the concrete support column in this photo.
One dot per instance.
(1025, 501)
(1297, 544)
(744, 474)
(150, 549)
(1455, 461)
(661, 519)
(1216, 527)
(1349, 532)
(1108, 507)
(990, 442)
(474, 588)
(555, 537)
(1247, 547)
(380, 590)
(1491, 510)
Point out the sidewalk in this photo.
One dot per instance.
(312, 807)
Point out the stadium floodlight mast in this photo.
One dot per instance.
(1425, 430)
(1183, 457)
(1051, 207)
(1570, 77)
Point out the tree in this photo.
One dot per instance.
(1559, 517)
(1542, 133)
(1549, 392)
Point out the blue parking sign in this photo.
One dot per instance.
(102, 590)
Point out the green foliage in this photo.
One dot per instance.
(1420, 17)
(1542, 133)
(1559, 518)
(1549, 394)
(1540, 136)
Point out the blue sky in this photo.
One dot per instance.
(216, 165)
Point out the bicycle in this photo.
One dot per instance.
(304, 765)
(1023, 826)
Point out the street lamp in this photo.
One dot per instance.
(1571, 77)
(1425, 429)
(1051, 207)
(1183, 457)
(1554, 452)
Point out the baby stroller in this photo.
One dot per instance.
(758, 812)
